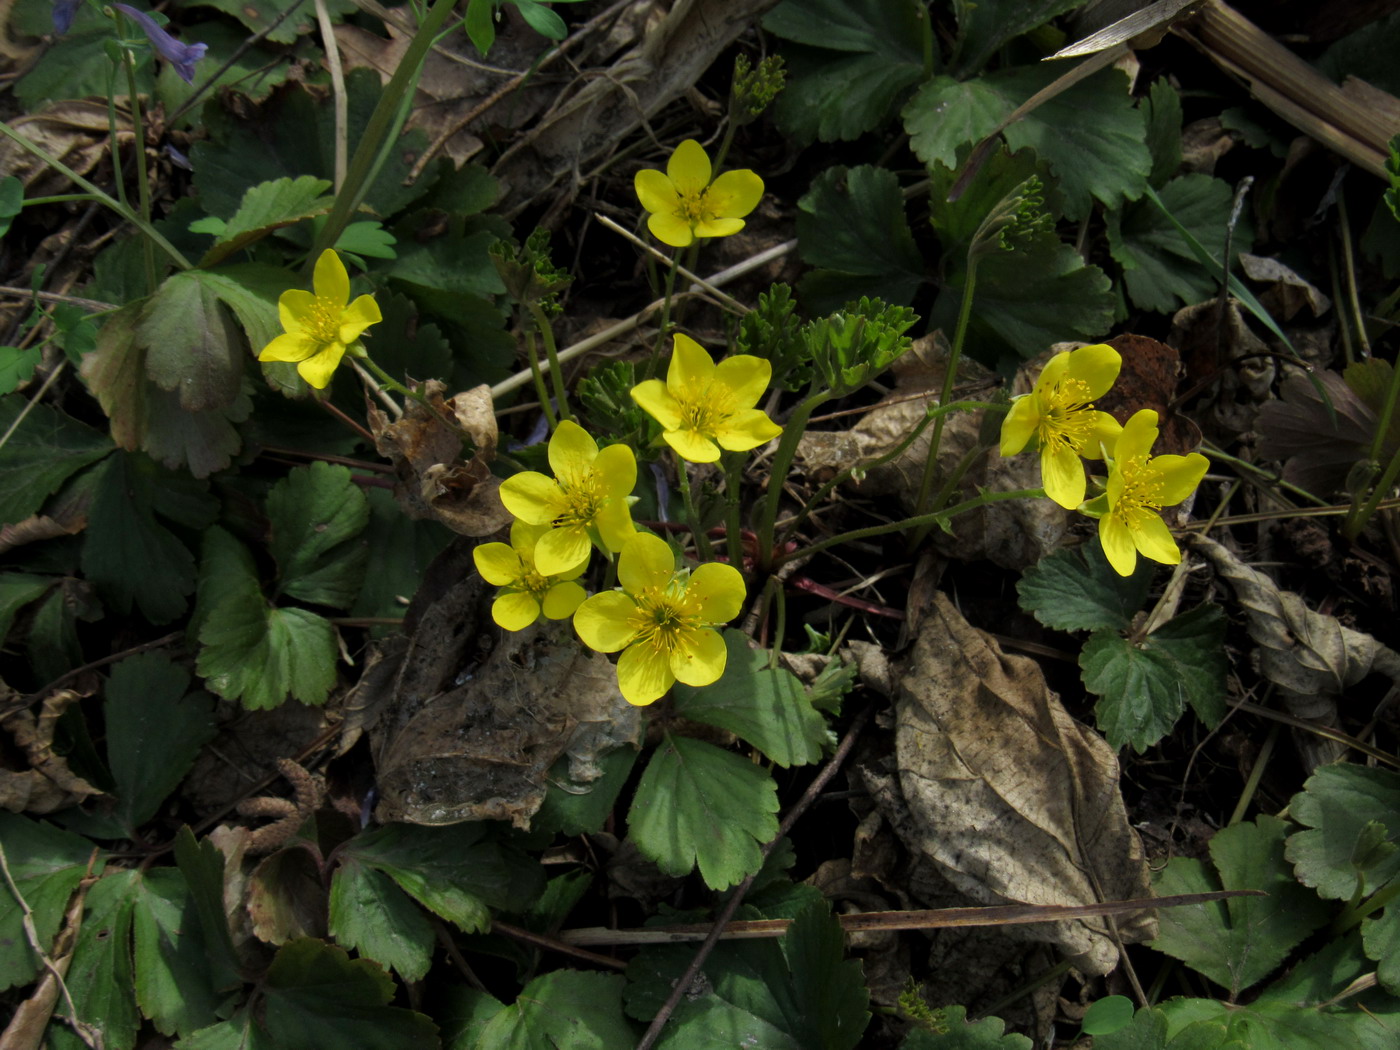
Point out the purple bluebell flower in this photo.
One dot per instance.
(181, 56)
(64, 11)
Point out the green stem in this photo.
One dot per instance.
(702, 542)
(115, 205)
(540, 391)
(733, 489)
(396, 94)
(143, 187)
(930, 415)
(933, 518)
(665, 322)
(1262, 476)
(552, 353)
(921, 12)
(1353, 915)
(1359, 514)
(949, 380)
(782, 460)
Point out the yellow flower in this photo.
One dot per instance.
(1060, 416)
(319, 327)
(704, 407)
(685, 204)
(663, 620)
(584, 503)
(525, 591)
(1140, 484)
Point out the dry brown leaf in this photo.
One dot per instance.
(1011, 799)
(434, 481)
(75, 132)
(1287, 292)
(48, 784)
(38, 527)
(1311, 658)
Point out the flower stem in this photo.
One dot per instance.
(782, 460)
(665, 321)
(551, 351)
(733, 490)
(697, 528)
(949, 379)
(541, 392)
(1361, 513)
(143, 186)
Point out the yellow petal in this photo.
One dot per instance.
(524, 536)
(295, 307)
(616, 467)
(562, 549)
(1021, 422)
(691, 370)
(1154, 540)
(532, 497)
(1118, 545)
(1103, 438)
(745, 377)
(614, 524)
(288, 347)
(656, 401)
(699, 658)
(604, 622)
(669, 228)
(734, 194)
(647, 561)
(692, 445)
(571, 453)
(713, 227)
(562, 600)
(1139, 434)
(643, 675)
(498, 564)
(318, 369)
(358, 316)
(689, 167)
(1062, 474)
(330, 279)
(1179, 476)
(719, 591)
(746, 429)
(515, 610)
(1096, 367)
(655, 191)
(1053, 372)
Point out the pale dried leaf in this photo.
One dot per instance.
(48, 784)
(1287, 292)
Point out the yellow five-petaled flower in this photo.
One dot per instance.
(684, 203)
(584, 503)
(525, 591)
(703, 407)
(1059, 415)
(1139, 485)
(662, 620)
(320, 326)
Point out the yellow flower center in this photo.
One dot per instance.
(703, 409)
(692, 206)
(1142, 489)
(663, 618)
(322, 323)
(584, 497)
(530, 582)
(1068, 415)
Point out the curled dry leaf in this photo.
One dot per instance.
(434, 481)
(1317, 448)
(1310, 657)
(1287, 293)
(48, 784)
(1010, 798)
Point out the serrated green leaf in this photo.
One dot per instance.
(984, 26)
(1380, 936)
(100, 977)
(1108, 1014)
(573, 811)
(18, 589)
(260, 15)
(367, 238)
(855, 60)
(564, 1009)
(76, 65)
(173, 977)
(957, 1033)
(266, 207)
(769, 708)
(946, 114)
(195, 350)
(1143, 688)
(133, 559)
(315, 513)
(829, 988)
(155, 729)
(1240, 941)
(1077, 590)
(1160, 269)
(17, 366)
(369, 913)
(1335, 806)
(400, 551)
(52, 645)
(697, 803)
(1148, 1031)
(46, 864)
(851, 225)
(459, 872)
(1162, 109)
(251, 291)
(43, 452)
(261, 655)
(202, 865)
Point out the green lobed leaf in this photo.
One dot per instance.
(202, 865)
(266, 207)
(316, 512)
(958, 1033)
(1162, 109)
(697, 803)
(985, 26)
(1239, 941)
(1144, 687)
(174, 985)
(46, 864)
(252, 652)
(75, 65)
(851, 225)
(1335, 807)
(767, 707)
(155, 729)
(1077, 590)
(52, 645)
(101, 978)
(829, 989)
(43, 452)
(946, 114)
(18, 589)
(563, 1009)
(1160, 269)
(852, 62)
(1108, 1014)
(194, 348)
(251, 291)
(11, 201)
(17, 366)
(583, 812)
(369, 913)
